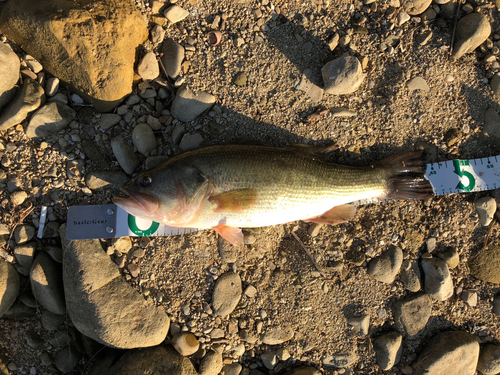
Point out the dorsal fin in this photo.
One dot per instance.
(317, 152)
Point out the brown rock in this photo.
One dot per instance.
(484, 266)
(89, 45)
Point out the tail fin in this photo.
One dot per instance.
(406, 176)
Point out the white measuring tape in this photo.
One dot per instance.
(110, 221)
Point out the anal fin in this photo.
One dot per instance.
(336, 215)
(231, 234)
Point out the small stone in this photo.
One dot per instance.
(134, 269)
(52, 86)
(33, 339)
(250, 291)
(333, 41)
(97, 180)
(314, 92)
(469, 297)
(148, 68)
(412, 313)
(305, 370)
(124, 154)
(227, 293)
(485, 264)
(211, 364)
(269, 359)
(341, 360)
(46, 284)
(496, 305)
(489, 360)
(342, 76)
(76, 99)
(232, 369)
(25, 255)
(277, 335)
(342, 112)
(424, 38)
(360, 324)
(411, 276)
(49, 119)
(33, 64)
(385, 267)
(51, 321)
(431, 244)
(175, 13)
(492, 120)
(437, 279)
(450, 256)
(67, 358)
(185, 343)
(190, 141)
(9, 286)
(472, 30)
(388, 349)
(486, 208)
(415, 7)
(157, 34)
(452, 136)
(144, 139)
(418, 83)
(173, 54)
(18, 197)
(240, 79)
(403, 17)
(23, 234)
(154, 123)
(188, 105)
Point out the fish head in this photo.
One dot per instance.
(150, 195)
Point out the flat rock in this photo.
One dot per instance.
(342, 76)
(437, 279)
(97, 180)
(227, 293)
(108, 120)
(450, 353)
(52, 86)
(185, 343)
(67, 35)
(157, 360)
(360, 324)
(485, 264)
(486, 208)
(418, 84)
(385, 267)
(46, 283)
(314, 92)
(175, 13)
(148, 68)
(412, 313)
(173, 54)
(276, 336)
(144, 139)
(9, 286)
(187, 105)
(102, 305)
(49, 119)
(472, 31)
(190, 141)
(27, 100)
(9, 73)
(125, 154)
(410, 275)
(388, 349)
(211, 364)
(23, 233)
(415, 7)
(489, 359)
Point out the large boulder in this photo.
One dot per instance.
(102, 305)
(88, 44)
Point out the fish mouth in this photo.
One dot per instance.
(136, 203)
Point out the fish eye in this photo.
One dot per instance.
(146, 180)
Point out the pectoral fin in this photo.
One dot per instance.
(230, 234)
(234, 200)
(336, 215)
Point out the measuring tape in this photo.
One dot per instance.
(111, 221)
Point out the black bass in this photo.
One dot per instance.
(230, 187)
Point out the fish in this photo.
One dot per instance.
(229, 187)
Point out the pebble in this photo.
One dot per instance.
(306, 370)
(412, 313)
(431, 244)
(124, 154)
(250, 291)
(342, 76)
(144, 139)
(388, 349)
(51, 321)
(59, 97)
(133, 269)
(25, 255)
(403, 17)
(23, 234)
(67, 358)
(450, 256)
(96, 180)
(277, 335)
(9, 71)
(418, 83)
(9, 286)
(46, 284)
(269, 359)
(341, 360)
(469, 297)
(226, 294)
(52, 86)
(411, 276)
(108, 120)
(157, 34)
(148, 68)
(472, 30)
(232, 369)
(76, 99)
(342, 112)
(415, 7)
(489, 360)
(385, 267)
(173, 54)
(28, 99)
(175, 13)
(154, 123)
(437, 279)
(211, 364)
(424, 38)
(18, 197)
(33, 64)
(190, 141)
(486, 208)
(450, 353)
(360, 324)
(33, 339)
(485, 264)
(187, 105)
(240, 79)
(314, 92)
(49, 119)
(185, 343)
(333, 42)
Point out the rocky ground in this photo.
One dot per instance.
(105, 90)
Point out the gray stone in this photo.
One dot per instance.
(9, 286)
(412, 313)
(23, 234)
(175, 13)
(187, 105)
(411, 276)
(51, 321)
(226, 294)
(24, 255)
(49, 119)
(489, 359)
(52, 86)
(99, 180)
(385, 267)
(102, 305)
(148, 68)
(486, 208)
(343, 75)
(360, 324)
(46, 283)
(437, 279)
(388, 349)
(33, 339)
(9, 73)
(233, 369)
(450, 353)
(314, 92)
(108, 120)
(211, 364)
(269, 359)
(450, 257)
(158, 360)
(341, 360)
(469, 297)
(125, 154)
(277, 335)
(431, 244)
(185, 343)
(418, 83)
(173, 54)
(190, 141)
(414, 7)
(144, 139)
(157, 34)
(67, 358)
(29, 98)
(178, 132)
(472, 31)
